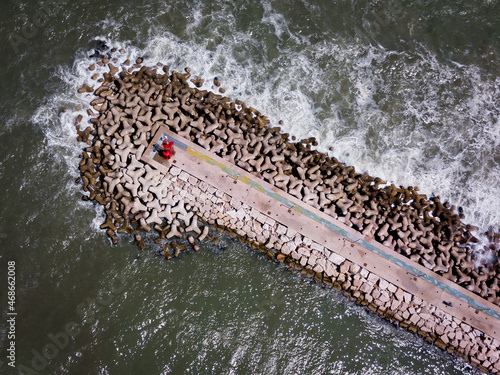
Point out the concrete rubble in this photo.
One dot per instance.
(130, 102)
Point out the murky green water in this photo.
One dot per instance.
(407, 91)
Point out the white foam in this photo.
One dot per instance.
(404, 116)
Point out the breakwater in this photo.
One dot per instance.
(131, 104)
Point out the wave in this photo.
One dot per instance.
(404, 115)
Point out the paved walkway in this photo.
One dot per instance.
(327, 231)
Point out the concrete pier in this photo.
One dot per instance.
(389, 284)
(407, 258)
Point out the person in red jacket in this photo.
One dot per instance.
(167, 149)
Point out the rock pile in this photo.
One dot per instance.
(132, 101)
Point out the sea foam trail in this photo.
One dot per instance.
(403, 116)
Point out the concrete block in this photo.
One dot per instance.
(372, 278)
(465, 327)
(240, 213)
(407, 297)
(183, 176)
(203, 186)
(364, 272)
(304, 251)
(312, 260)
(235, 203)
(336, 259)
(231, 213)
(291, 245)
(463, 344)
(354, 268)
(344, 267)
(425, 316)
(281, 229)
(366, 288)
(395, 304)
(329, 269)
(307, 241)
(414, 318)
(399, 294)
(261, 218)
(196, 192)
(298, 240)
(291, 232)
(439, 329)
(318, 268)
(392, 288)
(262, 239)
(384, 296)
(316, 246)
(174, 170)
(383, 284)
(285, 239)
(254, 213)
(270, 221)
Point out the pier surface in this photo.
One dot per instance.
(275, 207)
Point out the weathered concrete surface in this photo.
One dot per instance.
(332, 234)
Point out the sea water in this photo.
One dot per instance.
(407, 91)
